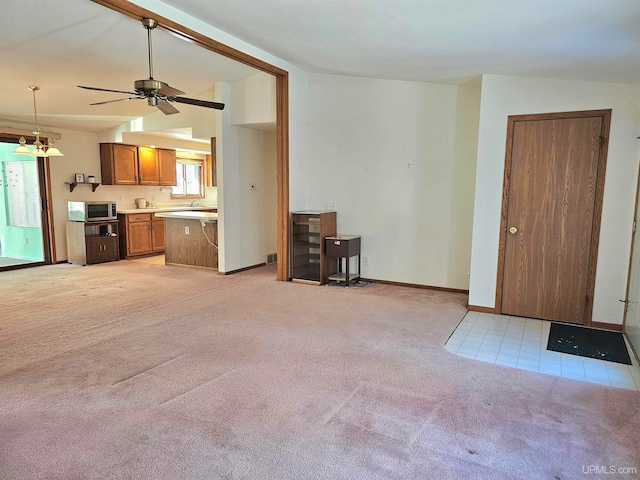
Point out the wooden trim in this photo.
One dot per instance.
(282, 154)
(633, 237)
(612, 327)
(476, 308)
(22, 265)
(597, 212)
(416, 285)
(282, 109)
(53, 257)
(251, 267)
(134, 11)
(43, 181)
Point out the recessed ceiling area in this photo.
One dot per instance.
(78, 42)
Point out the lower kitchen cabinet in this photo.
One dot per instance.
(157, 234)
(142, 234)
(92, 242)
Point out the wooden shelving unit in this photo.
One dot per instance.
(308, 260)
(73, 185)
(92, 242)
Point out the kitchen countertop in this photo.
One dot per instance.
(166, 209)
(191, 215)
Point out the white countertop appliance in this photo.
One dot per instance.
(92, 211)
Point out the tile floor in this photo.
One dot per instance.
(522, 343)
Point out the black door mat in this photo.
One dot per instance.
(588, 342)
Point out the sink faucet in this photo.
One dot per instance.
(193, 203)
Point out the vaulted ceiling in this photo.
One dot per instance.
(78, 42)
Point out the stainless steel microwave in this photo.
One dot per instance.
(92, 211)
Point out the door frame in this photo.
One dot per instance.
(633, 237)
(46, 212)
(597, 211)
(282, 110)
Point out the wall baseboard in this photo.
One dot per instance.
(415, 285)
(257, 265)
(607, 326)
(477, 308)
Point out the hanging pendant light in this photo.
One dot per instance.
(39, 150)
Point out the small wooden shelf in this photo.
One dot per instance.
(73, 185)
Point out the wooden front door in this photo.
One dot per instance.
(554, 176)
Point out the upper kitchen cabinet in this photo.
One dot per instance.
(119, 164)
(148, 169)
(167, 164)
(131, 165)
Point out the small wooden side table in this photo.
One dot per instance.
(343, 246)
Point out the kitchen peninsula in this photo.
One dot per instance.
(191, 238)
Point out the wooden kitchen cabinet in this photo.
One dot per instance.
(167, 167)
(148, 168)
(211, 174)
(157, 234)
(143, 234)
(122, 164)
(92, 242)
(119, 164)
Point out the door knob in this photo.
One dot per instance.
(513, 230)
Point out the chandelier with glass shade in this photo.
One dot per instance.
(39, 149)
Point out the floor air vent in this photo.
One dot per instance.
(272, 258)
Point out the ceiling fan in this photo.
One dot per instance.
(158, 94)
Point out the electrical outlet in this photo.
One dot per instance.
(26, 240)
(119, 198)
(186, 230)
(365, 261)
(330, 206)
(153, 198)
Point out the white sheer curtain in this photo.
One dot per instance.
(23, 193)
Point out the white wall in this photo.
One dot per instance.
(504, 96)
(253, 101)
(247, 224)
(397, 159)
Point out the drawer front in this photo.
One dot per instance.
(342, 247)
(337, 248)
(139, 217)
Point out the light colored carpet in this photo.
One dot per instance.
(129, 370)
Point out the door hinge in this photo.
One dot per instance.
(634, 226)
(601, 138)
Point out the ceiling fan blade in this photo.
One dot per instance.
(170, 91)
(106, 90)
(167, 108)
(118, 100)
(199, 103)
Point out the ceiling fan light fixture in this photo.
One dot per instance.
(39, 150)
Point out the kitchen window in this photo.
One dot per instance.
(190, 179)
